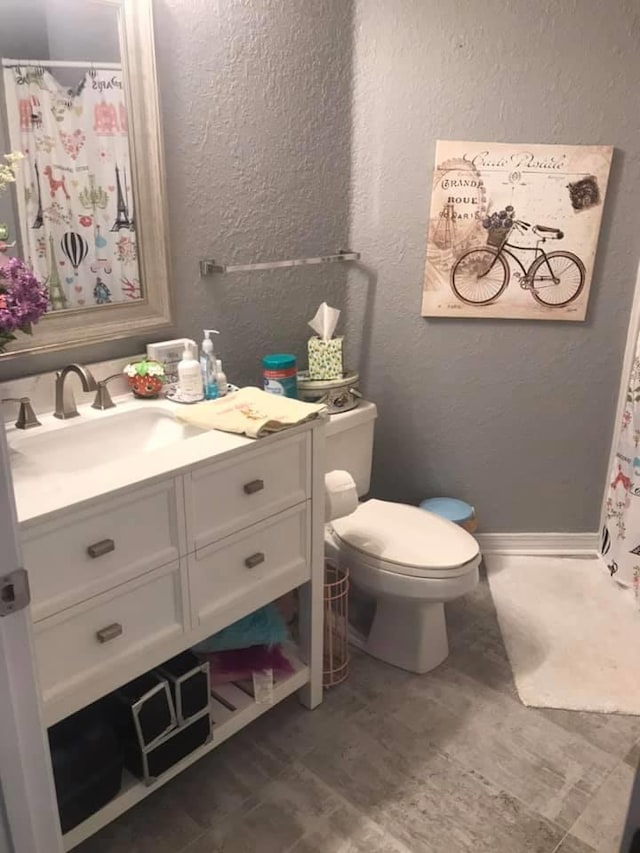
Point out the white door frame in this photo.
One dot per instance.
(629, 352)
(26, 779)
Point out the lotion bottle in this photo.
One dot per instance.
(189, 376)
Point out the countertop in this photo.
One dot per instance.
(41, 495)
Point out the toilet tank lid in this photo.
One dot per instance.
(406, 535)
(364, 411)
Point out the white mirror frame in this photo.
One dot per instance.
(81, 327)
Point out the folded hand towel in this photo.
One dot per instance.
(250, 411)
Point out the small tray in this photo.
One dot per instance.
(338, 395)
(172, 393)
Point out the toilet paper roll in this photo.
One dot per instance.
(340, 495)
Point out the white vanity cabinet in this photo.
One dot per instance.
(123, 581)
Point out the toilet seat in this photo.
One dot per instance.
(405, 540)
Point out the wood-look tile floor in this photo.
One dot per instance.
(391, 762)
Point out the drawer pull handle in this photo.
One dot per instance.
(104, 635)
(99, 549)
(254, 560)
(253, 487)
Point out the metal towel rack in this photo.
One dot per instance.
(209, 265)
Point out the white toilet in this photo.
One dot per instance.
(406, 560)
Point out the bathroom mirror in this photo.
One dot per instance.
(87, 211)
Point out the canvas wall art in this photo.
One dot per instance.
(513, 229)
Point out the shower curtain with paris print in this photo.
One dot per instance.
(621, 532)
(73, 186)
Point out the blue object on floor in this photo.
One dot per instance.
(455, 510)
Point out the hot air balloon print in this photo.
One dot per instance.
(75, 248)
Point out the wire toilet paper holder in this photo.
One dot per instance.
(336, 625)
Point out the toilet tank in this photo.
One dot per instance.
(350, 443)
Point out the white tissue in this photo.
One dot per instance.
(325, 321)
(340, 495)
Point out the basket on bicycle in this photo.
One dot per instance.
(497, 236)
(498, 226)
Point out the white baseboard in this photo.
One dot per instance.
(539, 543)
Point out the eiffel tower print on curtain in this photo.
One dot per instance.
(57, 298)
(38, 222)
(122, 216)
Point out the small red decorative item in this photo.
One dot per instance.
(145, 386)
(145, 378)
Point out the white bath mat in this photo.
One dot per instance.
(572, 635)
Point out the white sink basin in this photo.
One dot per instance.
(81, 444)
(61, 463)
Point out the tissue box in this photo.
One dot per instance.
(325, 358)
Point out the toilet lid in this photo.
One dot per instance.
(406, 536)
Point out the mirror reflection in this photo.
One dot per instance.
(70, 212)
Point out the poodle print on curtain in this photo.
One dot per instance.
(74, 185)
(621, 534)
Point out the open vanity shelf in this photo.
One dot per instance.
(231, 711)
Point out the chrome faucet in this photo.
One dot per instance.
(26, 416)
(65, 401)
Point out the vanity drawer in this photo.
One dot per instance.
(249, 569)
(96, 640)
(225, 497)
(78, 556)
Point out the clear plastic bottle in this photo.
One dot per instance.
(208, 366)
(221, 378)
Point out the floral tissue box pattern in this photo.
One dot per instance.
(325, 358)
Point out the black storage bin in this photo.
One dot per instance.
(87, 761)
(149, 763)
(189, 684)
(143, 710)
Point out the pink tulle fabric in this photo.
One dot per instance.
(240, 664)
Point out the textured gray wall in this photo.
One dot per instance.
(514, 416)
(256, 101)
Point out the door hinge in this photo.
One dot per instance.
(14, 592)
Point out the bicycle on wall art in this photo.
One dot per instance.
(513, 230)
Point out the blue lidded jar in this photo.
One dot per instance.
(280, 375)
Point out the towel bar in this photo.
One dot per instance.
(209, 265)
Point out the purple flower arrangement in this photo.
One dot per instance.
(23, 300)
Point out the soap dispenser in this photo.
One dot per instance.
(208, 367)
(189, 376)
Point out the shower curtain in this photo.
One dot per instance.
(73, 187)
(621, 532)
